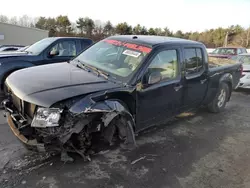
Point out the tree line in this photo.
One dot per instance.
(234, 35)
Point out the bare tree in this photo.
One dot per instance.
(4, 19)
(13, 20)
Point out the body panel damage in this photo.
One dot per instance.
(107, 116)
(109, 119)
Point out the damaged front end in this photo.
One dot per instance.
(71, 129)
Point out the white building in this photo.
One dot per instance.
(19, 35)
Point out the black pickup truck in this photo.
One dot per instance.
(112, 90)
(45, 51)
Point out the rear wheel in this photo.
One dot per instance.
(220, 100)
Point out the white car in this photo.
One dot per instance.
(245, 79)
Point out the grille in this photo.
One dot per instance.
(17, 102)
(23, 107)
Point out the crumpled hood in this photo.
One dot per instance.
(48, 84)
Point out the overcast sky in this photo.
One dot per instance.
(186, 15)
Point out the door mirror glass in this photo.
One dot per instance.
(53, 53)
(154, 77)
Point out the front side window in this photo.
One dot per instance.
(119, 58)
(165, 63)
(193, 60)
(65, 48)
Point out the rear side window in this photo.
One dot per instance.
(193, 60)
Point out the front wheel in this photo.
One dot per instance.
(220, 100)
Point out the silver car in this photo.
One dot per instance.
(245, 79)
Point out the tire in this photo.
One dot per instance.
(219, 102)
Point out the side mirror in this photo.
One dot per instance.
(154, 77)
(53, 53)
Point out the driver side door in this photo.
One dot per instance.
(160, 98)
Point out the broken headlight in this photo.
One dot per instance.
(46, 117)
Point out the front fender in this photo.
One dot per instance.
(110, 108)
(6, 67)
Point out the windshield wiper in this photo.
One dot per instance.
(87, 67)
(81, 66)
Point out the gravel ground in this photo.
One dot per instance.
(204, 150)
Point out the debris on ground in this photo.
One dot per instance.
(137, 160)
(103, 152)
(185, 114)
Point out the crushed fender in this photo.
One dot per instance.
(110, 118)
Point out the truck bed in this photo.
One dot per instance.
(223, 65)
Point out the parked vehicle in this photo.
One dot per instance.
(22, 49)
(45, 51)
(245, 79)
(227, 52)
(5, 48)
(117, 87)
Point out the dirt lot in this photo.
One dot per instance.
(206, 150)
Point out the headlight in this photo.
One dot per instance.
(46, 117)
(248, 76)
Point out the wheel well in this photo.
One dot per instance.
(127, 100)
(6, 75)
(230, 86)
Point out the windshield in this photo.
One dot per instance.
(39, 46)
(225, 51)
(118, 58)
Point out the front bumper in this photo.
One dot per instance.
(15, 120)
(244, 86)
(32, 144)
(244, 83)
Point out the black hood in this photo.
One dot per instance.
(48, 84)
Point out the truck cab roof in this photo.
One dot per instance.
(80, 38)
(151, 40)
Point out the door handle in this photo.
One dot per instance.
(178, 87)
(203, 81)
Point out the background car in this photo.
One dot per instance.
(22, 49)
(5, 48)
(227, 52)
(245, 79)
(46, 51)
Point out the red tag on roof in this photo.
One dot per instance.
(129, 45)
